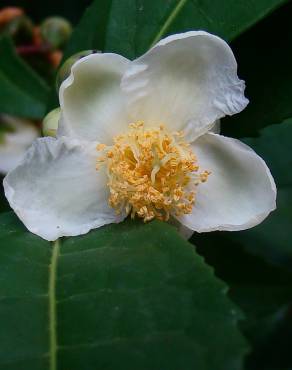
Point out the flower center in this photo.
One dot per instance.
(152, 173)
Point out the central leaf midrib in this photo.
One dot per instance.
(173, 14)
(52, 305)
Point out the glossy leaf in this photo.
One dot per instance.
(127, 296)
(273, 238)
(130, 27)
(264, 61)
(262, 290)
(23, 93)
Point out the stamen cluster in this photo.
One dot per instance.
(152, 173)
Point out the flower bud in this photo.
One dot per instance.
(51, 122)
(65, 69)
(8, 13)
(20, 29)
(56, 31)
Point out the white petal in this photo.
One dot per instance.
(187, 81)
(92, 104)
(57, 191)
(239, 193)
(14, 144)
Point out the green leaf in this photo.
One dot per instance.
(264, 63)
(130, 27)
(127, 296)
(89, 33)
(264, 293)
(23, 93)
(273, 238)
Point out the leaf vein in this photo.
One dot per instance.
(168, 21)
(52, 305)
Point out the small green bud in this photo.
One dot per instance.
(20, 29)
(51, 122)
(65, 69)
(56, 31)
(5, 128)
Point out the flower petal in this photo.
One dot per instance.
(187, 81)
(92, 104)
(240, 191)
(57, 191)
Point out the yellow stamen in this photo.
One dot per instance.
(100, 147)
(152, 173)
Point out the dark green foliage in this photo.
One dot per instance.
(127, 296)
(273, 238)
(130, 27)
(264, 60)
(23, 92)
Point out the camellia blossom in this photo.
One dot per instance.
(137, 138)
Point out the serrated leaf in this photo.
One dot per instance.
(127, 296)
(130, 27)
(23, 93)
(262, 290)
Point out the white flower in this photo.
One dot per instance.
(99, 169)
(14, 143)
